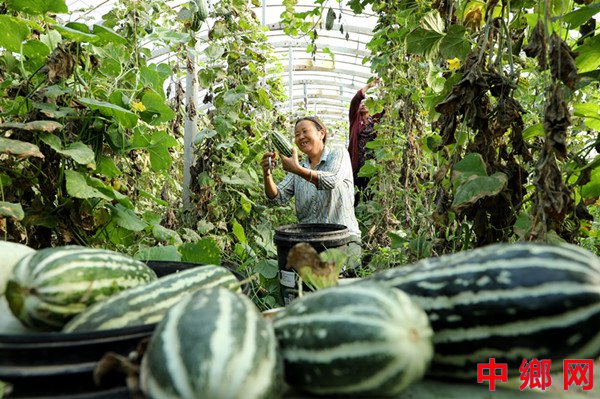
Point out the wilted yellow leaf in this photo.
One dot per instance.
(473, 19)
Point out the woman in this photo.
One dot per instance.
(361, 132)
(321, 182)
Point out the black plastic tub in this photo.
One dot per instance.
(61, 365)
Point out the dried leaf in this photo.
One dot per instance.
(61, 62)
(302, 255)
(556, 122)
(555, 197)
(473, 19)
(562, 62)
(33, 126)
(312, 269)
(537, 46)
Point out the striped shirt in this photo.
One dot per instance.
(332, 201)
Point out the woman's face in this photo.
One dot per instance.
(362, 109)
(308, 138)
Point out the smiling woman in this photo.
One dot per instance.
(321, 182)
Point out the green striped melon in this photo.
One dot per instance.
(52, 285)
(506, 301)
(147, 304)
(213, 344)
(354, 340)
(10, 254)
(281, 144)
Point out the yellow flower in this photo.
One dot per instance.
(453, 64)
(138, 106)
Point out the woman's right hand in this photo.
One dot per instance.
(264, 163)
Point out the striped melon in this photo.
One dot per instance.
(507, 301)
(354, 340)
(10, 254)
(213, 344)
(50, 286)
(282, 144)
(147, 304)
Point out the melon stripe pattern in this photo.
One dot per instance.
(354, 340)
(52, 285)
(282, 144)
(507, 301)
(213, 344)
(147, 304)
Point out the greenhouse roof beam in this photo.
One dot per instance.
(331, 70)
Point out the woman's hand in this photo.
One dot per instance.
(371, 84)
(268, 162)
(291, 164)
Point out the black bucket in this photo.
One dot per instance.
(320, 235)
(61, 365)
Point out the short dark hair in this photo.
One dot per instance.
(316, 121)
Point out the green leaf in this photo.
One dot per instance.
(82, 186)
(374, 106)
(76, 35)
(242, 178)
(589, 55)
(232, 97)
(205, 251)
(13, 33)
(167, 252)
(478, 187)
(267, 268)
(5, 180)
(35, 49)
(335, 256)
(157, 111)
(523, 225)
(425, 42)
(238, 232)
(398, 239)
(157, 145)
(580, 16)
(9, 209)
(152, 197)
(592, 188)
(108, 35)
(471, 183)
(21, 149)
(80, 26)
(37, 7)
(162, 233)
(122, 116)
(127, 218)
(368, 170)
(152, 79)
(471, 165)
(77, 151)
(591, 114)
(51, 38)
(455, 44)
(214, 51)
(106, 167)
(433, 21)
(532, 131)
(263, 99)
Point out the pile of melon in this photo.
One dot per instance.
(372, 338)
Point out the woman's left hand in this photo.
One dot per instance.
(290, 164)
